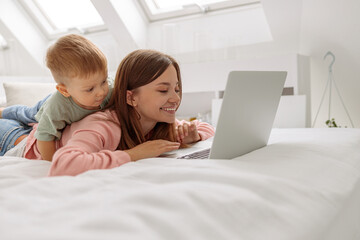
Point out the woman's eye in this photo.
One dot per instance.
(163, 91)
(90, 90)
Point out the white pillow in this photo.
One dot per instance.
(26, 93)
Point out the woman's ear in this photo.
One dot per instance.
(62, 89)
(130, 98)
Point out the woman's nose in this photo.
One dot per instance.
(175, 97)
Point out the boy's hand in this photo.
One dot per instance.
(187, 132)
(46, 149)
(152, 148)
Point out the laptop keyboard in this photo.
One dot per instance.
(203, 154)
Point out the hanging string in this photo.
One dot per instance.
(329, 85)
(322, 100)
(342, 101)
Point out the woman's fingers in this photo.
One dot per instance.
(192, 127)
(170, 146)
(188, 132)
(182, 131)
(152, 148)
(194, 132)
(186, 129)
(164, 146)
(176, 134)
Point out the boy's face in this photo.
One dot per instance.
(89, 92)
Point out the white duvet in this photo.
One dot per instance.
(304, 185)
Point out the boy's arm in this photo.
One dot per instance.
(52, 120)
(46, 149)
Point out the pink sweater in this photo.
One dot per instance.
(91, 144)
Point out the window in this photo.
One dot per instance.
(165, 9)
(59, 16)
(3, 43)
(166, 4)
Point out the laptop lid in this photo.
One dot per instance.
(247, 112)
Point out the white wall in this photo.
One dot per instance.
(307, 27)
(214, 30)
(333, 25)
(206, 62)
(298, 28)
(212, 75)
(107, 44)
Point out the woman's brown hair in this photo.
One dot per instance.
(138, 69)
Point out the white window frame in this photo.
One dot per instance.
(48, 28)
(3, 43)
(155, 14)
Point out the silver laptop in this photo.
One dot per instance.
(247, 113)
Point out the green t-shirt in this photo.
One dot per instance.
(57, 112)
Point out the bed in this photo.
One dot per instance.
(304, 185)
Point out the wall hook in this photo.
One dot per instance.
(333, 59)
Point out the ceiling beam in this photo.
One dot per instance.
(284, 19)
(124, 22)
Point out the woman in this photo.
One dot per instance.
(139, 122)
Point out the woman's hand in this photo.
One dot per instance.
(151, 149)
(187, 132)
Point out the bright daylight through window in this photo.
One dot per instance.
(56, 16)
(69, 13)
(166, 4)
(165, 9)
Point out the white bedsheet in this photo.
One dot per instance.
(304, 185)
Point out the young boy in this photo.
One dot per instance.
(80, 70)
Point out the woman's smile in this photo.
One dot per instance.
(170, 110)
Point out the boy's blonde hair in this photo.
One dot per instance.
(74, 56)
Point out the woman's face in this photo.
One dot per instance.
(157, 101)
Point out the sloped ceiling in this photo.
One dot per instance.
(15, 24)
(129, 27)
(124, 22)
